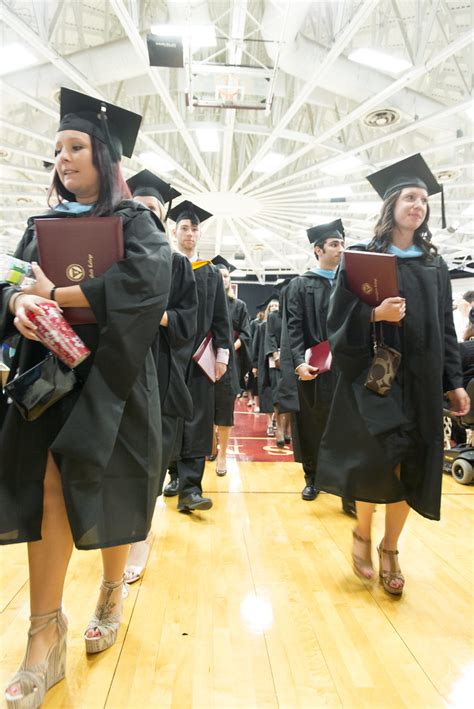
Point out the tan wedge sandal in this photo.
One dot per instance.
(35, 680)
(106, 619)
(388, 577)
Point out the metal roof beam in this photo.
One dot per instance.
(361, 15)
(138, 45)
(410, 76)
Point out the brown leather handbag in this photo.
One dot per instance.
(384, 367)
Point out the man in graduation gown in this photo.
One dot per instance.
(228, 386)
(272, 347)
(212, 316)
(305, 311)
(173, 347)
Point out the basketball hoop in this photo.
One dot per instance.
(229, 94)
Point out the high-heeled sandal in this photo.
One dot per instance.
(359, 563)
(104, 620)
(35, 681)
(395, 574)
(137, 559)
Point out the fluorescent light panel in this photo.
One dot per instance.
(156, 163)
(334, 192)
(379, 60)
(15, 56)
(208, 140)
(270, 163)
(343, 165)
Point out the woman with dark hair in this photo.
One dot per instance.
(86, 471)
(260, 365)
(389, 449)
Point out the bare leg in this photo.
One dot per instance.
(214, 442)
(224, 435)
(48, 560)
(113, 560)
(361, 552)
(137, 559)
(395, 517)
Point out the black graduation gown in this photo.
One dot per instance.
(367, 435)
(252, 385)
(212, 316)
(227, 388)
(173, 351)
(106, 438)
(272, 344)
(239, 316)
(305, 308)
(260, 362)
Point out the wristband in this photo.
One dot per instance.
(13, 300)
(52, 293)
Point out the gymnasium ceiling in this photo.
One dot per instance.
(277, 82)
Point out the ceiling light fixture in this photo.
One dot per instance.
(156, 163)
(208, 140)
(270, 163)
(15, 56)
(343, 165)
(334, 192)
(379, 60)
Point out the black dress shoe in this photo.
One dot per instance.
(287, 440)
(172, 488)
(281, 443)
(309, 492)
(349, 507)
(211, 458)
(194, 501)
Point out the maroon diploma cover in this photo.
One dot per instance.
(320, 356)
(205, 357)
(72, 251)
(371, 277)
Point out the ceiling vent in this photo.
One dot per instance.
(4, 154)
(24, 200)
(57, 96)
(447, 175)
(381, 118)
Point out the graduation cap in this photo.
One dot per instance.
(114, 126)
(282, 284)
(317, 235)
(266, 302)
(221, 261)
(188, 210)
(146, 184)
(409, 172)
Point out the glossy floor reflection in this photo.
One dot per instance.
(254, 604)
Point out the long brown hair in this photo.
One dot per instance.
(386, 224)
(113, 188)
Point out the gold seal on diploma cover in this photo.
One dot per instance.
(367, 288)
(75, 272)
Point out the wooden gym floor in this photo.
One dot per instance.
(254, 604)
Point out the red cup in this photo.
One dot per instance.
(57, 335)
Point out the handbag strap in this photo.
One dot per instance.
(376, 333)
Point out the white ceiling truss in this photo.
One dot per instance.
(279, 81)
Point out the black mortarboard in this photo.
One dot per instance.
(319, 234)
(282, 284)
(221, 261)
(409, 172)
(266, 302)
(188, 210)
(115, 126)
(146, 184)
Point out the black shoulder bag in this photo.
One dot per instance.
(37, 389)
